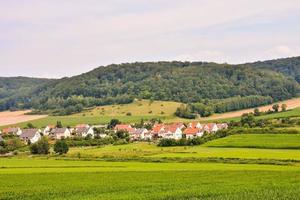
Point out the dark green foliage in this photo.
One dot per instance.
(61, 147)
(59, 124)
(30, 125)
(40, 147)
(113, 123)
(248, 119)
(275, 107)
(206, 108)
(177, 81)
(185, 112)
(289, 66)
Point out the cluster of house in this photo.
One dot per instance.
(34, 135)
(170, 131)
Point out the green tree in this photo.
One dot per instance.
(248, 119)
(275, 107)
(113, 123)
(283, 107)
(61, 147)
(30, 125)
(59, 124)
(40, 147)
(256, 112)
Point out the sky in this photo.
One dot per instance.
(58, 38)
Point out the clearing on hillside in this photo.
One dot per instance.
(7, 117)
(137, 108)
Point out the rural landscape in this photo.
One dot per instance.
(155, 125)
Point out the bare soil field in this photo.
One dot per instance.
(7, 117)
(291, 104)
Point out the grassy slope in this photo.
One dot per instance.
(269, 141)
(139, 110)
(55, 179)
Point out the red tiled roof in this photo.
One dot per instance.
(191, 131)
(124, 127)
(157, 127)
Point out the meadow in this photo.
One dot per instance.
(268, 141)
(34, 178)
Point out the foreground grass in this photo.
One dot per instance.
(30, 178)
(268, 141)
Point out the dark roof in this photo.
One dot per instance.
(140, 130)
(58, 130)
(82, 130)
(28, 133)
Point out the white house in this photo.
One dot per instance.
(48, 129)
(12, 131)
(85, 131)
(171, 132)
(32, 135)
(210, 128)
(139, 133)
(60, 133)
(195, 125)
(193, 132)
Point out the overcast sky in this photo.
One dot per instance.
(56, 38)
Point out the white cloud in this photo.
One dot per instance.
(283, 51)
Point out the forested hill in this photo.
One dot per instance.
(15, 89)
(287, 66)
(177, 81)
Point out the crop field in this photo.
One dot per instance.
(33, 178)
(268, 141)
(145, 150)
(8, 117)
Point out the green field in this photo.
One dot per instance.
(290, 113)
(29, 178)
(145, 171)
(268, 141)
(145, 151)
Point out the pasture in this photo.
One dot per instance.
(33, 178)
(267, 141)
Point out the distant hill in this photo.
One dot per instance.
(169, 81)
(14, 91)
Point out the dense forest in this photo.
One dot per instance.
(187, 82)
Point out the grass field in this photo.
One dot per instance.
(59, 179)
(268, 141)
(145, 150)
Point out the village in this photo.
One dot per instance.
(158, 131)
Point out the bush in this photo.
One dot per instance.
(40, 147)
(61, 147)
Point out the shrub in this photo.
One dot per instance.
(40, 147)
(61, 147)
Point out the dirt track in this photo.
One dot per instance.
(7, 117)
(292, 103)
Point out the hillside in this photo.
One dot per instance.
(15, 92)
(168, 81)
